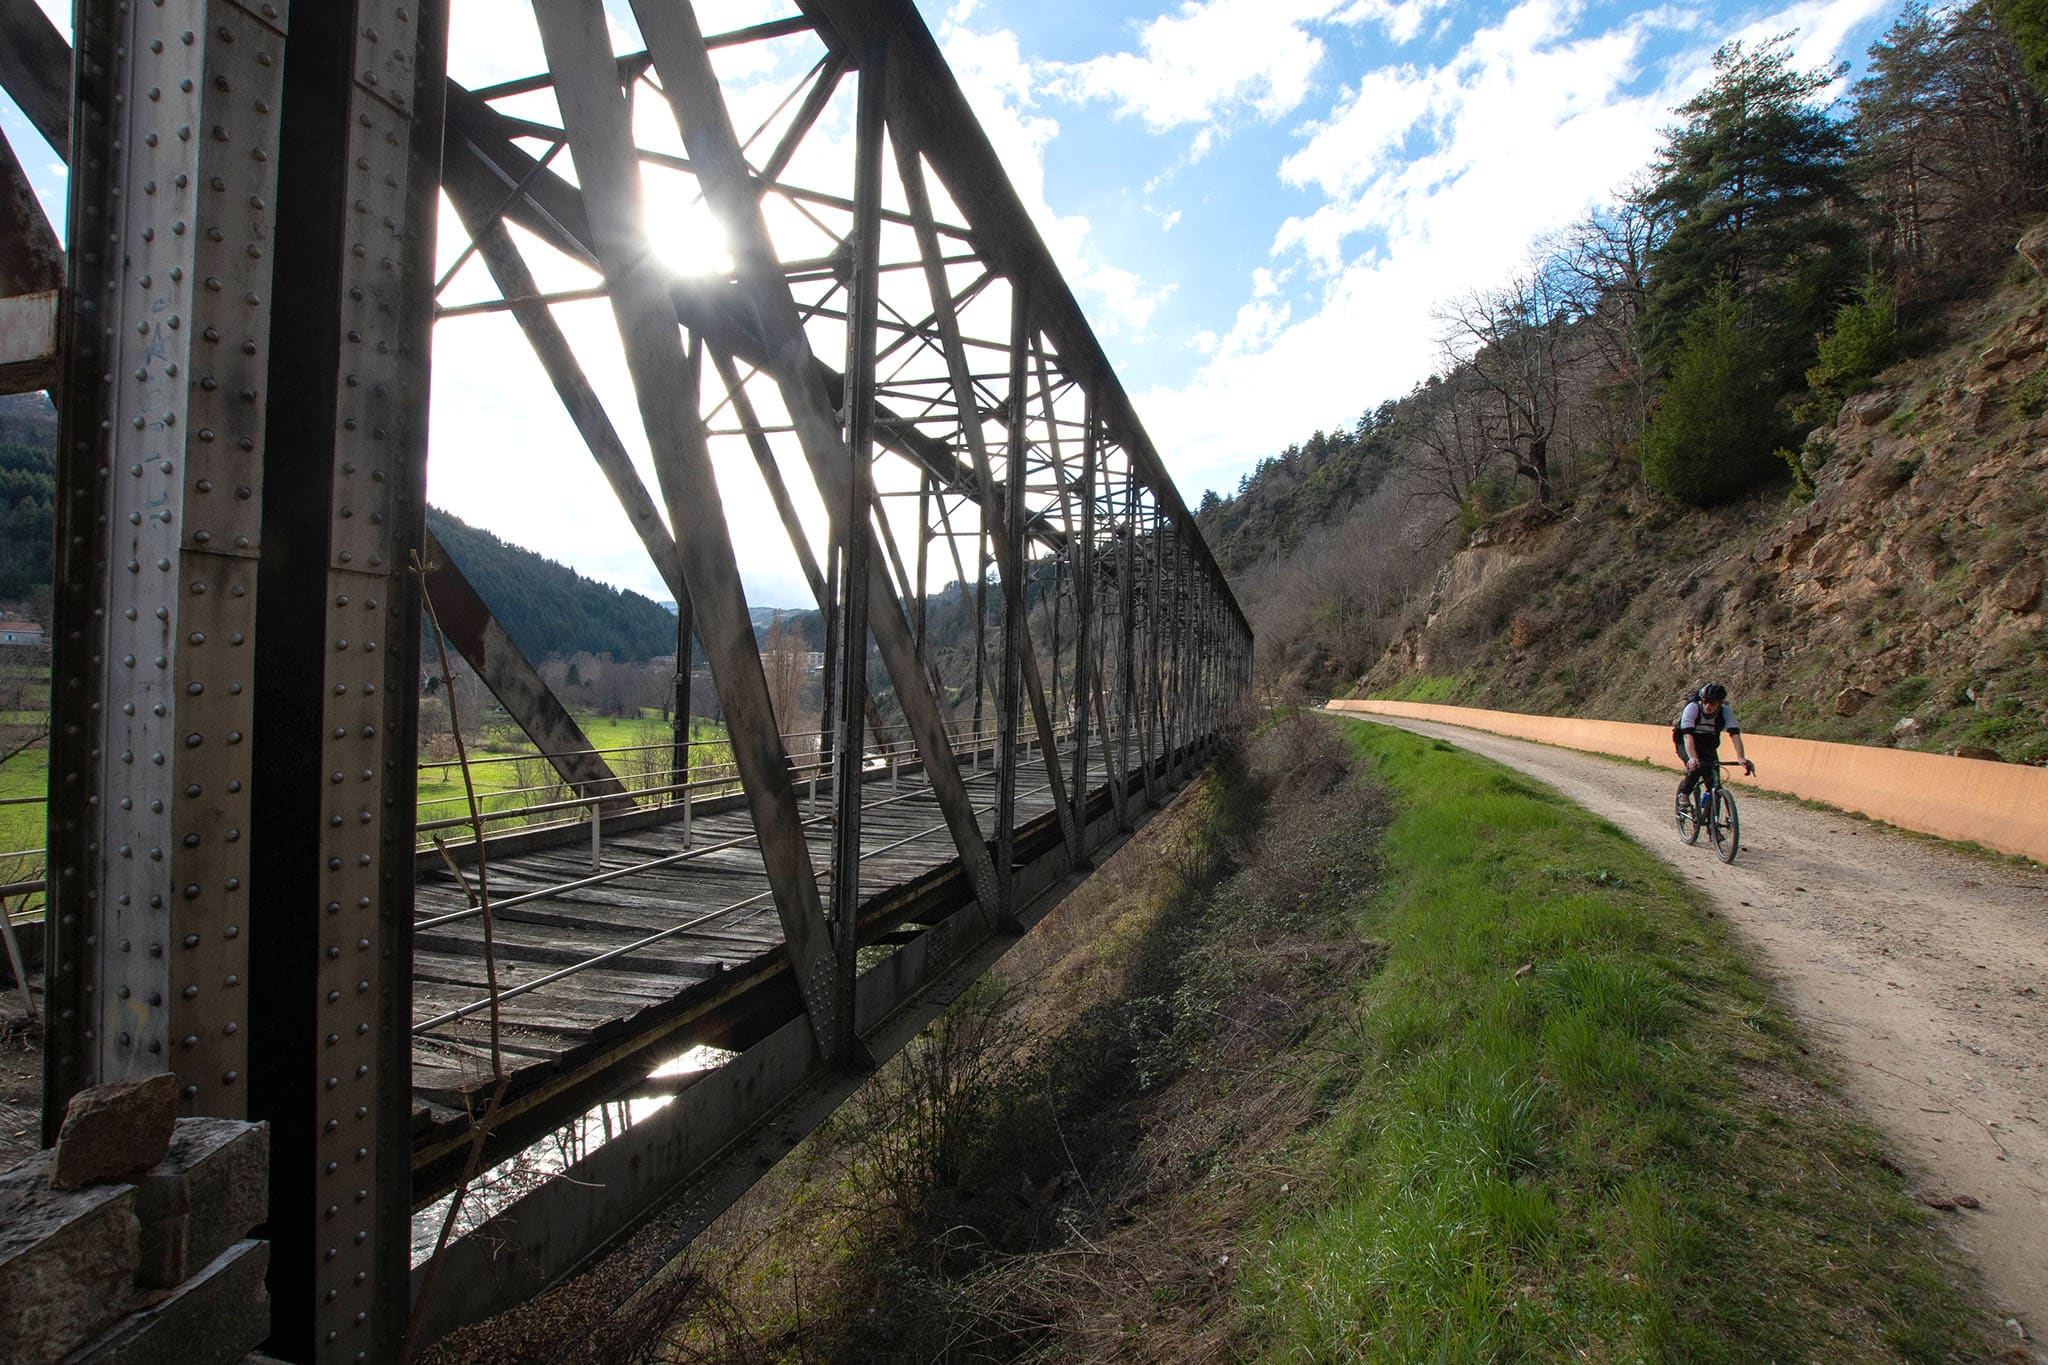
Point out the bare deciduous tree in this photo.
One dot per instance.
(1512, 341)
(1451, 452)
(1600, 268)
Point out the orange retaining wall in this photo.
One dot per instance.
(1999, 805)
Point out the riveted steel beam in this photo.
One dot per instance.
(338, 621)
(158, 531)
(595, 115)
(221, 631)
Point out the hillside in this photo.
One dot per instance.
(1775, 416)
(549, 608)
(28, 490)
(1901, 605)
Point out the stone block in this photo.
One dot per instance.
(217, 1317)
(115, 1130)
(209, 1191)
(67, 1261)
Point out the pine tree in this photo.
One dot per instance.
(1711, 435)
(1755, 184)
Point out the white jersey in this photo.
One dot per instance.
(1705, 729)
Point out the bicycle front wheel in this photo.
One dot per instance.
(1727, 826)
(1688, 825)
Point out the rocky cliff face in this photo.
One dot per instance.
(1902, 604)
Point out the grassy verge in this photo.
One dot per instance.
(1583, 1127)
(1367, 1049)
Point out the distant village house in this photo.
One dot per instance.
(20, 633)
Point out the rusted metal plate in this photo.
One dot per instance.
(28, 341)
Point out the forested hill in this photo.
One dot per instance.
(549, 608)
(28, 490)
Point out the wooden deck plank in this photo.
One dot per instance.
(566, 1020)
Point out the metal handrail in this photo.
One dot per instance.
(599, 877)
(611, 954)
(803, 767)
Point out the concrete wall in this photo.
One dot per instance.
(1999, 805)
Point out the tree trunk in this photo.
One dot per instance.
(1536, 468)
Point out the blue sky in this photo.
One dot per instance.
(1257, 202)
(1276, 195)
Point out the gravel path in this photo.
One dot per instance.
(1921, 970)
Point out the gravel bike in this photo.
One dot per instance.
(1711, 807)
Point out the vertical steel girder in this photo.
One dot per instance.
(1085, 609)
(1016, 608)
(226, 627)
(863, 312)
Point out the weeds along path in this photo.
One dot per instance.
(1922, 970)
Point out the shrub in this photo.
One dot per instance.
(1803, 462)
(2030, 395)
(1863, 341)
(1711, 436)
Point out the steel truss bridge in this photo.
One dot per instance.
(275, 213)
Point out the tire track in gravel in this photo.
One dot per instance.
(1921, 971)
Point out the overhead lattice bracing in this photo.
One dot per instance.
(757, 298)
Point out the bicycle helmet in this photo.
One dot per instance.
(1713, 692)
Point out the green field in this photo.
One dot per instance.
(508, 772)
(504, 764)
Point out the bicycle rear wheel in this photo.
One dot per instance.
(1727, 825)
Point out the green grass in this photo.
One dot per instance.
(499, 781)
(1583, 1129)
(26, 774)
(1425, 687)
(440, 782)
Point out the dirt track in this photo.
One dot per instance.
(1921, 970)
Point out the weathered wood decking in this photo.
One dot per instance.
(650, 963)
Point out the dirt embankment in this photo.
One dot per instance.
(1922, 970)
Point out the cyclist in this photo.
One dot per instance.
(1700, 727)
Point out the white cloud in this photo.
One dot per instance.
(1401, 19)
(1001, 87)
(1435, 180)
(1205, 60)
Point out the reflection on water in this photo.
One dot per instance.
(497, 1188)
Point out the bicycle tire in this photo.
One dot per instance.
(1727, 826)
(1688, 823)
